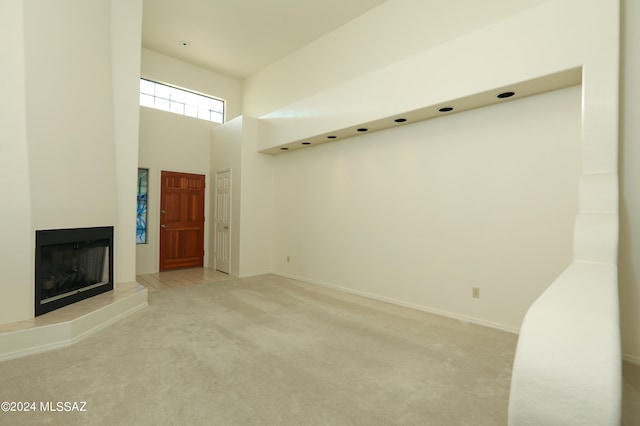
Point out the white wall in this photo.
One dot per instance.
(226, 154)
(126, 25)
(406, 85)
(165, 69)
(402, 28)
(629, 263)
(552, 383)
(409, 213)
(169, 142)
(70, 113)
(234, 147)
(257, 198)
(16, 254)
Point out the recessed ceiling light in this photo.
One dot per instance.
(446, 109)
(506, 95)
(184, 43)
(362, 129)
(400, 120)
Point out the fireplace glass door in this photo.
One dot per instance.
(71, 265)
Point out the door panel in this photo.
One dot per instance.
(223, 221)
(181, 220)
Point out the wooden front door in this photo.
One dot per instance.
(181, 220)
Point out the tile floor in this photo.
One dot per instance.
(180, 278)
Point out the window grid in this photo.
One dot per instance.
(178, 101)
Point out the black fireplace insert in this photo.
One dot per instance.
(72, 265)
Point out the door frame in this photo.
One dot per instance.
(215, 217)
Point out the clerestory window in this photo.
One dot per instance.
(179, 101)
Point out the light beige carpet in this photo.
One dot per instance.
(271, 351)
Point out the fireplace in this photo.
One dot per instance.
(72, 265)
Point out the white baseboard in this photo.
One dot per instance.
(632, 359)
(464, 318)
(254, 274)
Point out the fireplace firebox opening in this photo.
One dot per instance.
(72, 265)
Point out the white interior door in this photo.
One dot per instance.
(223, 220)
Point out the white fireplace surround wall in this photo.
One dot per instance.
(71, 164)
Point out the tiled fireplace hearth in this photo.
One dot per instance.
(70, 324)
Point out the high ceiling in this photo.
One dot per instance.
(240, 37)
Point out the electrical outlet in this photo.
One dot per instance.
(475, 292)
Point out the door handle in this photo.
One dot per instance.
(226, 227)
(163, 226)
(163, 211)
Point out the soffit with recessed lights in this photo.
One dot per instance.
(499, 95)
